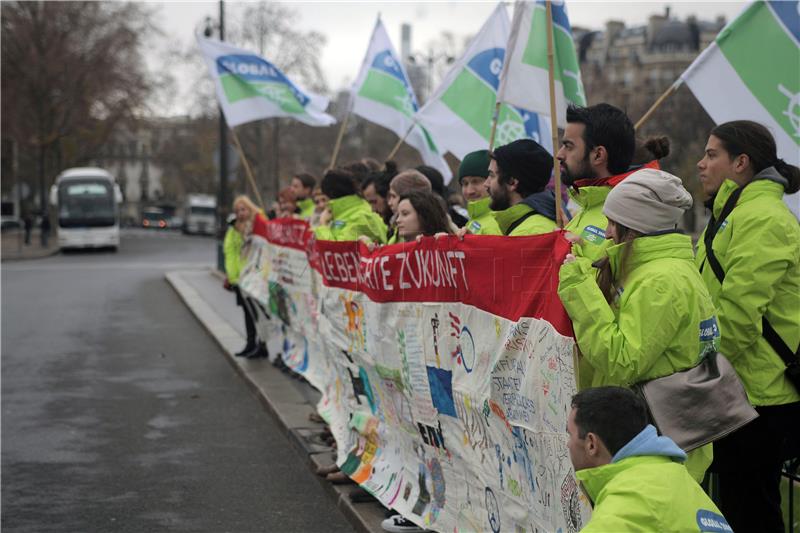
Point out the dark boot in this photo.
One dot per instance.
(258, 351)
(248, 348)
(262, 350)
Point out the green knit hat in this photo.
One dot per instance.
(474, 164)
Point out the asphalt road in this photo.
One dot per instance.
(119, 413)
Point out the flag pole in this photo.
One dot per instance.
(669, 92)
(248, 171)
(553, 120)
(400, 142)
(494, 123)
(339, 139)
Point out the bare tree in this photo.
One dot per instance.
(271, 29)
(72, 71)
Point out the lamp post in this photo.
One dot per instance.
(429, 59)
(222, 193)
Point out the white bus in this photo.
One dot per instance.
(200, 214)
(88, 208)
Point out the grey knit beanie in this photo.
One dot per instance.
(648, 201)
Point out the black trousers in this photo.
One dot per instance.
(748, 464)
(249, 324)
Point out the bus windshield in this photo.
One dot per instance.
(86, 203)
(203, 210)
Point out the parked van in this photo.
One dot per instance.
(200, 214)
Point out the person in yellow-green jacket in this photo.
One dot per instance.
(518, 175)
(646, 313)
(749, 257)
(595, 154)
(472, 173)
(239, 227)
(634, 478)
(302, 186)
(349, 215)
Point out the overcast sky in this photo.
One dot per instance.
(347, 25)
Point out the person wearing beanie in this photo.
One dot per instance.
(472, 174)
(644, 311)
(516, 171)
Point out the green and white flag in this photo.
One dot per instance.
(382, 94)
(459, 114)
(524, 81)
(752, 72)
(251, 88)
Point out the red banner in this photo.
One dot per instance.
(512, 277)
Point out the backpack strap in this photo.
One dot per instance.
(767, 331)
(713, 227)
(519, 221)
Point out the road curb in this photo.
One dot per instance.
(282, 401)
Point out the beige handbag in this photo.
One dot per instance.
(699, 405)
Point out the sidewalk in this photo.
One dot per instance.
(288, 400)
(14, 249)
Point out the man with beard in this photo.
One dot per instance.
(302, 186)
(595, 155)
(518, 174)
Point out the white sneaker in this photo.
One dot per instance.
(398, 524)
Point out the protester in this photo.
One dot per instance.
(402, 184)
(320, 205)
(348, 216)
(303, 187)
(518, 175)
(458, 215)
(647, 311)
(374, 189)
(359, 169)
(633, 477)
(649, 151)
(596, 151)
(239, 226)
(472, 174)
(287, 203)
(372, 164)
(420, 213)
(755, 241)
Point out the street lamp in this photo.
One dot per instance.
(429, 59)
(222, 193)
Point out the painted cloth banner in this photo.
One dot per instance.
(524, 81)
(756, 59)
(446, 369)
(459, 114)
(251, 88)
(382, 94)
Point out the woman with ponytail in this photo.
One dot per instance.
(749, 257)
(647, 313)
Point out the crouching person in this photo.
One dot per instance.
(634, 478)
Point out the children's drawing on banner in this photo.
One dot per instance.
(464, 353)
(451, 414)
(354, 315)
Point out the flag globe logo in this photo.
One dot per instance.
(509, 131)
(792, 108)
